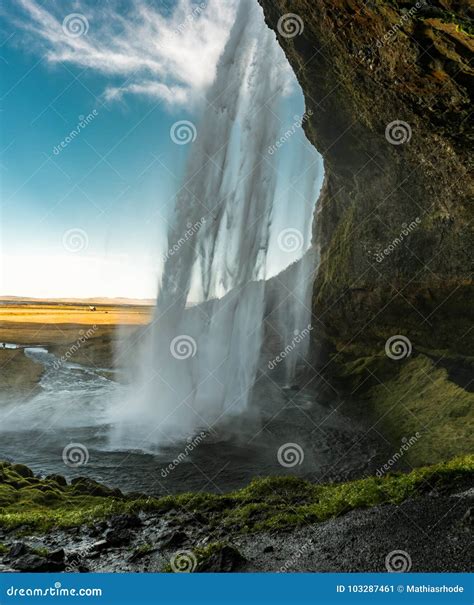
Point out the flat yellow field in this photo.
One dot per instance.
(58, 325)
(37, 323)
(74, 314)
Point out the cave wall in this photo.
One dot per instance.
(394, 220)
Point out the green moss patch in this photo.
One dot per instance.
(336, 262)
(409, 396)
(272, 503)
(421, 398)
(26, 500)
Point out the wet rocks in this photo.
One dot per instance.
(173, 539)
(140, 552)
(224, 559)
(17, 550)
(84, 485)
(25, 559)
(75, 563)
(98, 529)
(57, 555)
(59, 479)
(117, 537)
(125, 522)
(98, 547)
(22, 470)
(30, 563)
(121, 529)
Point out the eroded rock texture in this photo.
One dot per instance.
(394, 220)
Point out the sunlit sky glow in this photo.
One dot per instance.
(141, 67)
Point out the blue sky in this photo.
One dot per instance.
(90, 218)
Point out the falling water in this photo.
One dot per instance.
(292, 296)
(201, 362)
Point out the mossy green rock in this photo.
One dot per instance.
(272, 503)
(22, 470)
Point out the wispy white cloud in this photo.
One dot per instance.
(164, 55)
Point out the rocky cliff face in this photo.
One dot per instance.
(389, 87)
(394, 215)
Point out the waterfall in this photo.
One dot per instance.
(291, 297)
(200, 362)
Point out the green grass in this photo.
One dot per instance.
(422, 398)
(265, 504)
(412, 395)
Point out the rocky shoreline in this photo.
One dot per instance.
(357, 542)
(275, 524)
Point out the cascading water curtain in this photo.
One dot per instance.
(200, 363)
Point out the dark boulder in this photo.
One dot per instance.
(98, 529)
(22, 470)
(125, 522)
(56, 555)
(117, 537)
(33, 563)
(59, 479)
(223, 560)
(17, 550)
(173, 539)
(97, 547)
(84, 485)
